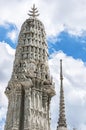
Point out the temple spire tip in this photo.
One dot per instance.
(61, 75)
(33, 12)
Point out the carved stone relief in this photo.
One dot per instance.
(30, 75)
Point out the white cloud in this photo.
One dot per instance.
(13, 35)
(6, 61)
(56, 15)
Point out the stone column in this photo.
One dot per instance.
(27, 110)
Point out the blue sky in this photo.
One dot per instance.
(74, 46)
(65, 25)
(4, 31)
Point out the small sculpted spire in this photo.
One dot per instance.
(62, 119)
(33, 12)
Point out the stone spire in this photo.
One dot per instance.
(30, 88)
(34, 12)
(62, 120)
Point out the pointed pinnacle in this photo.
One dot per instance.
(62, 119)
(33, 12)
(61, 76)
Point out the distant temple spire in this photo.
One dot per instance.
(62, 120)
(33, 12)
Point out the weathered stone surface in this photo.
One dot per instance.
(30, 88)
(62, 125)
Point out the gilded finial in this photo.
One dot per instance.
(33, 12)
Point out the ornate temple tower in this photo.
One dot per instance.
(62, 119)
(30, 88)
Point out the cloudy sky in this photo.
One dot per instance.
(65, 25)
